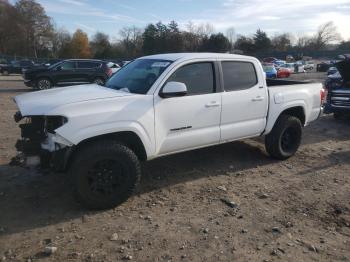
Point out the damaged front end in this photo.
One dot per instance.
(40, 145)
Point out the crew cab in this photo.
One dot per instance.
(338, 87)
(156, 106)
(68, 72)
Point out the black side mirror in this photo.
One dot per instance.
(59, 68)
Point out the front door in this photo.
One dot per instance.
(193, 120)
(66, 73)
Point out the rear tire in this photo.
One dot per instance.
(43, 84)
(105, 174)
(285, 137)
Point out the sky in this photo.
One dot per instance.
(300, 17)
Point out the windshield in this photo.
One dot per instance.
(268, 68)
(138, 76)
(55, 64)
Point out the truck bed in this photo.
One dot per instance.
(282, 82)
(284, 93)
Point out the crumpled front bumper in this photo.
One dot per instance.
(38, 147)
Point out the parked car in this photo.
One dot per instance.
(283, 72)
(68, 72)
(278, 63)
(160, 105)
(309, 65)
(338, 87)
(323, 67)
(270, 70)
(114, 67)
(288, 66)
(332, 70)
(16, 67)
(269, 59)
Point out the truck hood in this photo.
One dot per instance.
(42, 102)
(344, 69)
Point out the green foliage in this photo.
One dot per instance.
(216, 43)
(261, 41)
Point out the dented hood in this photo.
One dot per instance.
(344, 69)
(42, 102)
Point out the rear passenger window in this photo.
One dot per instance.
(88, 65)
(198, 77)
(238, 75)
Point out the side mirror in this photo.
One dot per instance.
(59, 68)
(173, 89)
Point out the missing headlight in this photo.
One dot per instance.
(54, 122)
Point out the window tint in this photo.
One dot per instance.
(238, 75)
(67, 65)
(88, 65)
(199, 78)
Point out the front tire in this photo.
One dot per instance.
(5, 73)
(43, 84)
(285, 137)
(105, 174)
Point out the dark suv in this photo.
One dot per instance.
(68, 72)
(16, 67)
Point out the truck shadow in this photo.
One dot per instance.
(30, 200)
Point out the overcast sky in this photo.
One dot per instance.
(274, 16)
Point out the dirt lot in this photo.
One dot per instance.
(297, 210)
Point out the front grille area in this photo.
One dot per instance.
(340, 99)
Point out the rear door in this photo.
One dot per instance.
(193, 120)
(244, 101)
(86, 70)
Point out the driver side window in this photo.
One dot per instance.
(198, 78)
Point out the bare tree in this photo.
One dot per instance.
(326, 34)
(131, 40)
(281, 42)
(231, 35)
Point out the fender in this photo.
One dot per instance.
(279, 109)
(108, 128)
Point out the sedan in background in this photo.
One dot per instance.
(270, 70)
(283, 72)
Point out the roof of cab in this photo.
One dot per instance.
(188, 56)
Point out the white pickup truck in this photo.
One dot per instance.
(156, 106)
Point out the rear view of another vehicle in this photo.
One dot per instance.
(270, 70)
(338, 86)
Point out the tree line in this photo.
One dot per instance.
(26, 30)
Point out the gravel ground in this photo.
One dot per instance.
(297, 210)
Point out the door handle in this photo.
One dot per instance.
(212, 104)
(258, 98)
